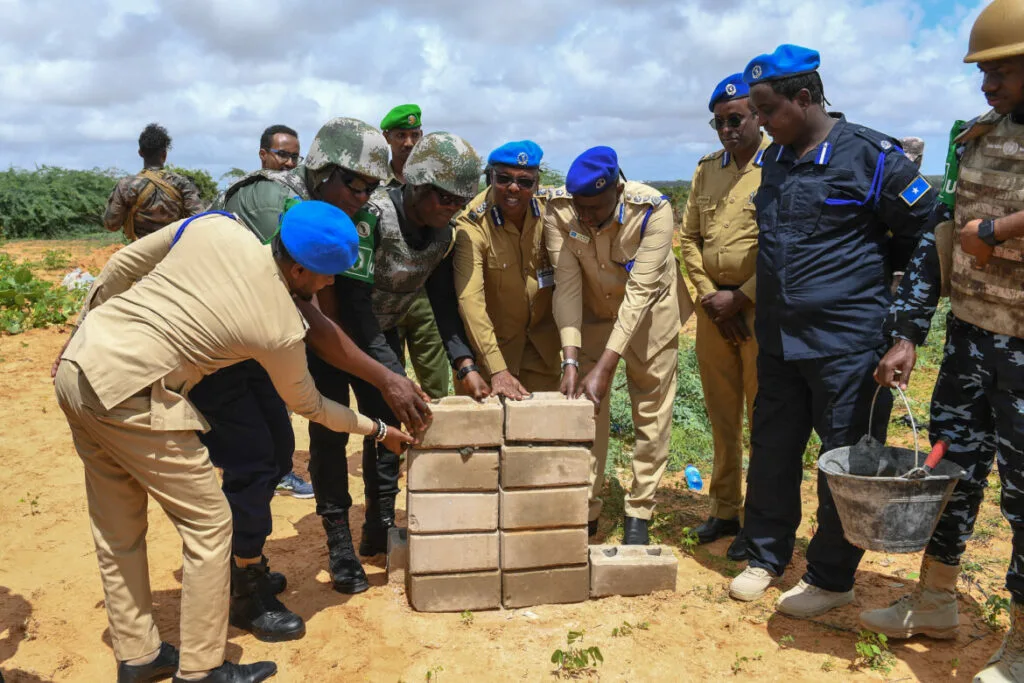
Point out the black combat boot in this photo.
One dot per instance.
(256, 609)
(277, 581)
(347, 573)
(380, 516)
(229, 672)
(165, 665)
(634, 531)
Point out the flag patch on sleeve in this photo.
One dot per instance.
(915, 190)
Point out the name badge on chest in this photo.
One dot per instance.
(546, 278)
(579, 236)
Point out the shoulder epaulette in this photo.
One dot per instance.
(879, 140)
(552, 193)
(711, 157)
(978, 126)
(643, 194)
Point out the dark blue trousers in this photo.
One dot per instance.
(251, 439)
(832, 396)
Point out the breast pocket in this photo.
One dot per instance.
(800, 206)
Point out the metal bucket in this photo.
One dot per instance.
(889, 514)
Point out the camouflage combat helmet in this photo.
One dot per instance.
(352, 145)
(998, 32)
(445, 161)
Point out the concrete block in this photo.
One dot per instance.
(525, 467)
(452, 471)
(446, 513)
(398, 555)
(544, 508)
(455, 592)
(631, 569)
(545, 586)
(452, 553)
(543, 548)
(459, 421)
(549, 416)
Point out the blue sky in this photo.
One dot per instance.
(81, 79)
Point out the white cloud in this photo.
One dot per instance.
(80, 79)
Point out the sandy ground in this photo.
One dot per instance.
(53, 626)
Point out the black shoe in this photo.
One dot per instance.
(164, 666)
(347, 573)
(714, 528)
(737, 551)
(277, 581)
(635, 532)
(237, 673)
(255, 608)
(592, 527)
(380, 516)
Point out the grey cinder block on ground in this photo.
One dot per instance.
(436, 470)
(545, 586)
(524, 467)
(631, 569)
(455, 592)
(544, 508)
(540, 548)
(445, 513)
(452, 553)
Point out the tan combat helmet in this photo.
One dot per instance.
(445, 161)
(997, 33)
(350, 144)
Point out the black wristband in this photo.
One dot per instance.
(462, 372)
(987, 232)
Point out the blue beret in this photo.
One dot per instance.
(592, 172)
(320, 237)
(787, 60)
(731, 88)
(524, 153)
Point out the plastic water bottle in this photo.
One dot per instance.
(693, 479)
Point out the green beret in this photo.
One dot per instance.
(404, 116)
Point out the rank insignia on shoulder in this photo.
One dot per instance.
(579, 236)
(482, 209)
(363, 229)
(915, 190)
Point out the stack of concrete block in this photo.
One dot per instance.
(545, 471)
(452, 509)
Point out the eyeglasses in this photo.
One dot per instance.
(524, 182)
(449, 199)
(286, 156)
(348, 179)
(732, 121)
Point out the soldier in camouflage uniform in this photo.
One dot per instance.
(146, 202)
(251, 436)
(978, 401)
(406, 241)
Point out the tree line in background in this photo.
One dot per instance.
(51, 202)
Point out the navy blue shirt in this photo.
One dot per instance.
(833, 226)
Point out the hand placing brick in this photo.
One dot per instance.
(460, 422)
(548, 416)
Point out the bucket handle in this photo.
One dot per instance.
(913, 424)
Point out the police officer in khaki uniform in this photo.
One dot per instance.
(618, 294)
(504, 278)
(719, 247)
(191, 298)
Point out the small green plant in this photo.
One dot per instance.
(828, 665)
(785, 642)
(813, 522)
(737, 665)
(993, 607)
(467, 618)
(628, 628)
(33, 503)
(27, 302)
(874, 653)
(689, 541)
(56, 259)
(954, 664)
(434, 673)
(576, 660)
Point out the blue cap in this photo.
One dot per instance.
(787, 60)
(731, 88)
(320, 237)
(592, 172)
(524, 154)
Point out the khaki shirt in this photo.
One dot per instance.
(504, 281)
(718, 238)
(642, 308)
(158, 319)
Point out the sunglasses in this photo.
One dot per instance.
(449, 199)
(285, 156)
(349, 180)
(732, 121)
(505, 180)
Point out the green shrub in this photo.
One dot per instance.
(53, 202)
(27, 302)
(204, 181)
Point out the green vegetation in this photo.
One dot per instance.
(204, 181)
(27, 302)
(873, 652)
(576, 660)
(628, 628)
(53, 202)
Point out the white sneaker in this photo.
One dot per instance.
(751, 584)
(804, 601)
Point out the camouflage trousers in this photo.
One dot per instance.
(978, 405)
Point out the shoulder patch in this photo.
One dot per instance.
(712, 156)
(913, 192)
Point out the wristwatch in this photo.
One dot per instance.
(987, 232)
(570, 361)
(462, 372)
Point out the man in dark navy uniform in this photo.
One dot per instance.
(839, 209)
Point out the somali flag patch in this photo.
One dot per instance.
(915, 190)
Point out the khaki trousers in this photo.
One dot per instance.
(652, 389)
(729, 376)
(125, 463)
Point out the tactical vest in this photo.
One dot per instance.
(400, 272)
(991, 185)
